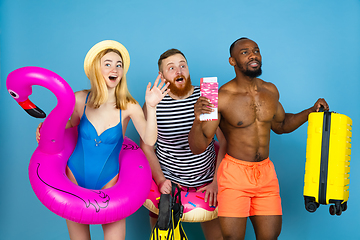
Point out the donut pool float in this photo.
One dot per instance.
(195, 207)
(48, 163)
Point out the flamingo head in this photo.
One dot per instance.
(20, 90)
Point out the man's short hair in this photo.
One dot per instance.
(167, 54)
(233, 44)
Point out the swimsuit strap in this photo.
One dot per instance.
(87, 96)
(120, 117)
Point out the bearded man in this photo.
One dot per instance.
(173, 160)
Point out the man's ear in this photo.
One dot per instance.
(232, 61)
(161, 76)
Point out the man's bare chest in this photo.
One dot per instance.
(242, 110)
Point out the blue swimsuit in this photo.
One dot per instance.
(95, 160)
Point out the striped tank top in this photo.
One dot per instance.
(178, 163)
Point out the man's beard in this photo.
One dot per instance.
(253, 73)
(250, 73)
(181, 92)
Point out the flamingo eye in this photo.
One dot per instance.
(13, 94)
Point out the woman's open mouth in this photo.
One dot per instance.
(112, 78)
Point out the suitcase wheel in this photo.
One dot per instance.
(310, 204)
(336, 209)
(344, 206)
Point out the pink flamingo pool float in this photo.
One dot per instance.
(48, 162)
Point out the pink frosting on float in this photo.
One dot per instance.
(195, 207)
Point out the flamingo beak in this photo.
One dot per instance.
(32, 109)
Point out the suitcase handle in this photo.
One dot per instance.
(321, 109)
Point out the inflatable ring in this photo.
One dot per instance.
(195, 207)
(48, 162)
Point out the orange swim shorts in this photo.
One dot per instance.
(247, 188)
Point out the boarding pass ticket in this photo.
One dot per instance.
(209, 89)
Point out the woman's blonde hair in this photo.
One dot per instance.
(99, 91)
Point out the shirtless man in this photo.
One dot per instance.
(248, 109)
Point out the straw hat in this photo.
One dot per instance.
(106, 44)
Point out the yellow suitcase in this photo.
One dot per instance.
(327, 165)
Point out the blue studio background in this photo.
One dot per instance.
(310, 49)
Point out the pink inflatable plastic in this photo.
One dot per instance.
(48, 162)
(195, 207)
